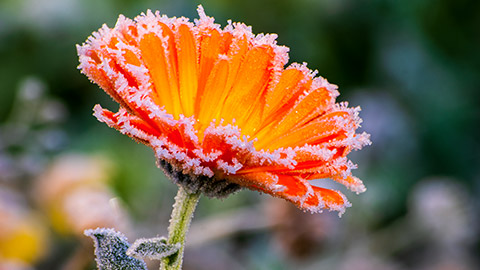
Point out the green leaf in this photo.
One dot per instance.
(111, 251)
(152, 248)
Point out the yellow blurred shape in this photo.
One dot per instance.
(26, 244)
(23, 234)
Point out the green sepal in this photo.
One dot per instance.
(152, 248)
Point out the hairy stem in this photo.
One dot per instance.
(182, 215)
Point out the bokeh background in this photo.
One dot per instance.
(412, 65)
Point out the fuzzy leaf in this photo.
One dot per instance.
(152, 248)
(111, 250)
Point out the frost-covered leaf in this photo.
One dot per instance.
(152, 248)
(111, 250)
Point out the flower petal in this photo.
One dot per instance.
(187, 68)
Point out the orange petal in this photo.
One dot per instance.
(333, 199)
(209, 50)
(288, 89)
(351, 182)
(119, 67)
(322, 129)
(295, 187)
(168, 34)
(307, 108)
(131, 58)
(262, 181)
(130, 35)
(214, 92)
(187, 68)
(98, 75)
(153, 54)
(252, 79)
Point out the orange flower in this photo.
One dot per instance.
(221, 111)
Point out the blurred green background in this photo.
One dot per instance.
(413, 66)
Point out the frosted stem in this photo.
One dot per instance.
(182, 215)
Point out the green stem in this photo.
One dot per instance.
(182, 215)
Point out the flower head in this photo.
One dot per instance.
(221, 111)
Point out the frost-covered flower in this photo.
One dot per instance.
(220, 110)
